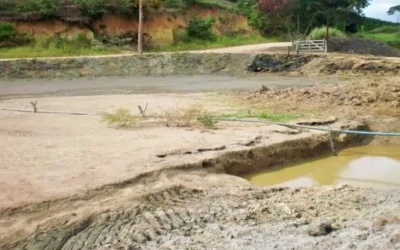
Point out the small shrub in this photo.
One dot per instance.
(180, 35)
(46, 8)
(201, 28)
(320, 33)
(121, 118)
(182, 117)
(126, 8)
(206, 119)
(178, 4)
(7, 5)
(7, 31)
(93, 8)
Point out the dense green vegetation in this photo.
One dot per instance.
(319, 33)
(55, 46)
(7, 31)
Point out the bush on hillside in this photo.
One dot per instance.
(7, 31)
(46, 8)
(178, 4)
(92, 8)
(320, 33)
(201, 28)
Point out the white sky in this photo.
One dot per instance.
(378, 9)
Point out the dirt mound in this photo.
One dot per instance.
(235, 218)
(361, 46)
(379, 96)
(323, 65)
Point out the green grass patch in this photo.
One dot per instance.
(57, 47)
(385, 29)
(31, 52)
(391, 39)
(275, 117)
(219, 42)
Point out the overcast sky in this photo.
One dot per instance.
(378, 9)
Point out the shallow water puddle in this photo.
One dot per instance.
(367, 166)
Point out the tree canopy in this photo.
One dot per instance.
(299, 15)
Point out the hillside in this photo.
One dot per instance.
(117, 19)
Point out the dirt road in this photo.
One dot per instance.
(252, 48)
(134, 85)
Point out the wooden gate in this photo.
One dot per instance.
(311, 46)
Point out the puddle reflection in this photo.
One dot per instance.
(367, 166)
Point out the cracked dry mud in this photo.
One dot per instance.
(237, 218)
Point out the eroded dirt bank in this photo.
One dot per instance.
(197, 64)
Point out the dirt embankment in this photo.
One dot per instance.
(361, 46)
(161, 27)
(197, 64)
(378, 96)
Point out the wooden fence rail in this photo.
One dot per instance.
(310, 46)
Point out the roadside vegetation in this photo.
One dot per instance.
(188, 116)
(271, 20)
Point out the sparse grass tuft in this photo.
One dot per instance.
(182, 117)
(275, 117)
(121, 118)
(206, 119)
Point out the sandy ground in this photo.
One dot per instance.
(54, 155)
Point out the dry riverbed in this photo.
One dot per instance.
(75, 182)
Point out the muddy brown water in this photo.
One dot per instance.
(365, 166)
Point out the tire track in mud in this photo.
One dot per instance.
(212, 218)
(126, 228)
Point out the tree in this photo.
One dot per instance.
(297, 15)
(333, 8)
(395, 10)
(279, 12)
(140, 29)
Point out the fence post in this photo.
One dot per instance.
(325, 46)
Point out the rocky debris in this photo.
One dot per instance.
(189, 151)
(196, 64)
(321, 229)
(319, 122)
(251, 143)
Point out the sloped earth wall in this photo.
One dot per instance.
(196, 64)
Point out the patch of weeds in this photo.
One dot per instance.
(121, 118)
(182, 117)
(206, 119)
(275, 117)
